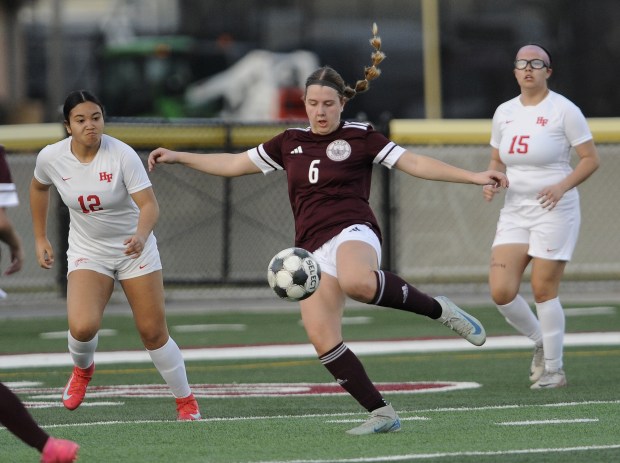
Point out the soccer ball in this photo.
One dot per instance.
(294, 274)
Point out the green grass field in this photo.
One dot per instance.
(128, 415)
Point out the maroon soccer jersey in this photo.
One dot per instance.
(8, 192)
(329, 177)
(5, 172)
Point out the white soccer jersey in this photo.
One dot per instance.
(102, 213)
(535, 143)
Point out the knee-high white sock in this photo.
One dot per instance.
(552, 323)
(171, 366)
(82, 353)
(519, 315)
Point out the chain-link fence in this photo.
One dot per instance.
(219, 234)
(444, 231)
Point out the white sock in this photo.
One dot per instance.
(82, 353)
(552, 323)
(171, 366)
(519, 315)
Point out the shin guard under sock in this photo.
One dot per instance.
(349, 372)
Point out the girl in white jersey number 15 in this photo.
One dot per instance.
(112, 210)
(328, 169)
(532, 138)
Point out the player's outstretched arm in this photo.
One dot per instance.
(429, 168)
(489, 191)
(490, 177)
(220, 164)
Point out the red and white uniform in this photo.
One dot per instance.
(329, 177)
(102, 213)
(534, 143)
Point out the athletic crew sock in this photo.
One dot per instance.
(15, 417)
(82, 353)
(169, 362)
(349, 372)
(552, 323)
(519, 315)
(396, 293)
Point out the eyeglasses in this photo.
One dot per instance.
(535, 63)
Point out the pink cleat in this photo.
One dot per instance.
(75, 390)
(59, 451)
(187, 409)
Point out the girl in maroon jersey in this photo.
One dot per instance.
(15, 417)
(329, 167)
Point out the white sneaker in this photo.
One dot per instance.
(537, 367)
(382, 419)
(550, 380)
(3, 294)
(461, 322)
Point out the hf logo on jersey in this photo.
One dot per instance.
(105, 177)
(339, 150)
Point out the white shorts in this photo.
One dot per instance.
(550, 234)
(122, 268)
(326, 254)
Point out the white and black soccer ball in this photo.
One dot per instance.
(294, 274)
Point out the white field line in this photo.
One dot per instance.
(307, 351)
(364, 418)
(333, 415)
(528, 423)
(383, 458)
(590, 311)
(63, 334)
(209, 327)
(428, 456)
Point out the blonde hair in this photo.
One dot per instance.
(327, 76)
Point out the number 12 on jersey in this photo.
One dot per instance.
(91, 204)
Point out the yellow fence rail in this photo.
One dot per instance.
(33, 137)
(476, 131)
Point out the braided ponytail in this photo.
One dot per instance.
(329, 77)
(371, 72)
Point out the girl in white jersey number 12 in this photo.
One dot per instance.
(113, 210)
(532, 137)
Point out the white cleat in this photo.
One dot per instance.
(550, 380)
(381, 420)
(537, 367)
(461, 322)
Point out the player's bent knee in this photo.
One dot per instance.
(153, 340)
(83, 333)
(503, 297)
(359, 291)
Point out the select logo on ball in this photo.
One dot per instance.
(294, 274)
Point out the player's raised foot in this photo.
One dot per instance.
(550, 380)
(461, 322)
(187, 409)
(75, 390)
(59, 451)
(381, 420)
(538, 364)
